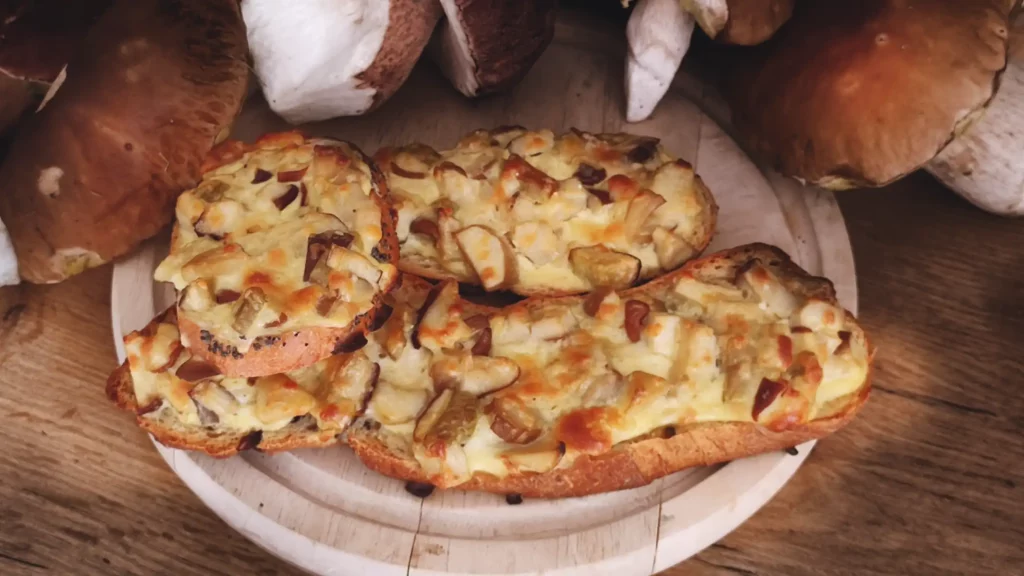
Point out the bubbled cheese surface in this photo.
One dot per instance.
(725, 340)
(543, 195)
(248, 226)
(710, 349)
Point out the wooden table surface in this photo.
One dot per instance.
(927, 480)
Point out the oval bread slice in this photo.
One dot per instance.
(281, 255)
(542, 215)
(735, 354)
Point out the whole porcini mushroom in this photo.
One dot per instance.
(855, 94)
(659, 34)
(156, 84)
(319, 59)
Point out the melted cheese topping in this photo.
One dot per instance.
(708, 349)
(331, 392)
(539, 197)
(531, 387)
(242, 250)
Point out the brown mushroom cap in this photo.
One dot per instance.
(36, 39)
(739, 22)
(860, 93)
(497, 40)
(155, 84)
(754, 21)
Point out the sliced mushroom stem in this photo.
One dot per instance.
(603, 267)
(251, 303)
(513, 422)
(212, 402)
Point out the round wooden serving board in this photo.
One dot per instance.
(323, 511)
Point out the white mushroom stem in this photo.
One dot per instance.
(453, 52)
(8, 259)
(711, 15)
(658, 34)
(985, 164)
(308, 54)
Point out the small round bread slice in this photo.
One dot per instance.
(540, 215)
(282, 254)
(185, 403)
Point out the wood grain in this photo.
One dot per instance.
(927, 480)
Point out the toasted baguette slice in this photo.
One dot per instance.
(542, 215)
(282, 254)
(733, 355)
(164, 408)
(546, 398)
(185, 403)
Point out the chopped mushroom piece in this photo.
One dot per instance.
(477, 375)
(490, 256)
(641, 207)
(252, 302)
(539, 460)
(766, 285)
(212, 402)
(603, 267)
(196, 296)
(670, 249)
(512, 421)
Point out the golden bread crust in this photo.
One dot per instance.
(626, 466)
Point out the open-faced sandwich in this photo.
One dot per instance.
(735, 354)
(281, 255)
(185, 402)
(542, 215)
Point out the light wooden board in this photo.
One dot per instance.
(323, 511)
